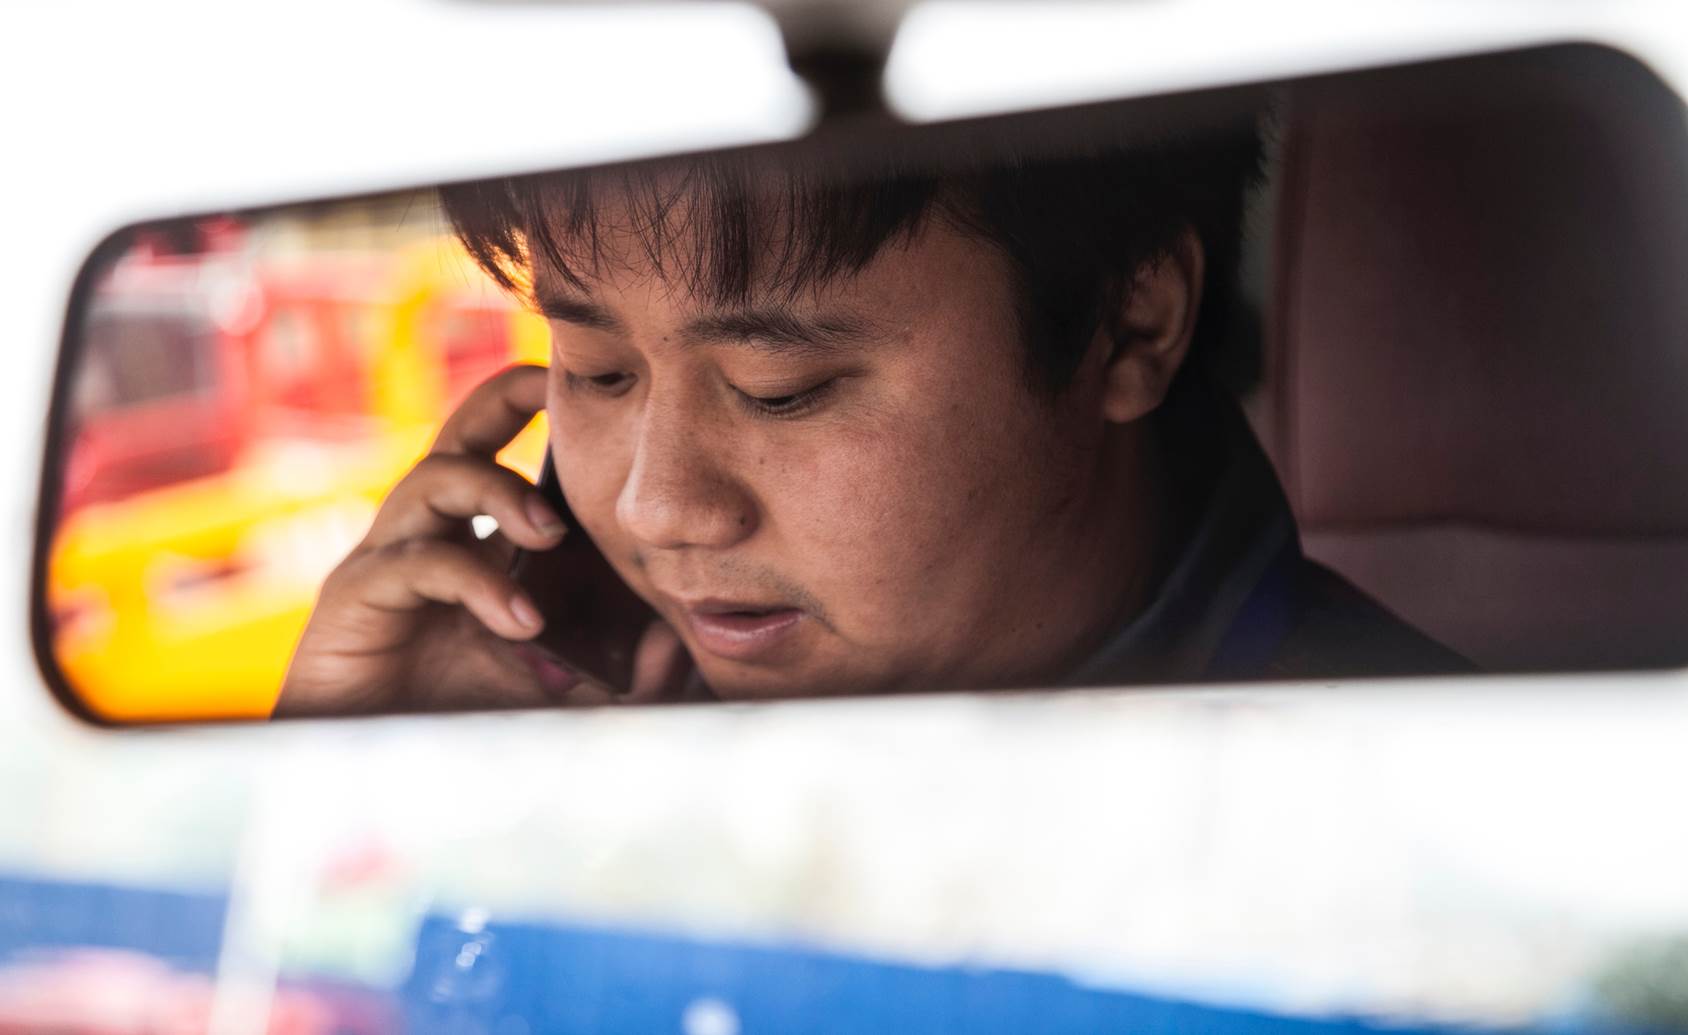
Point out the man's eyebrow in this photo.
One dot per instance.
(777, 328)
(554, 305)
(771, 328)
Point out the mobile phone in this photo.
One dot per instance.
(593, 620)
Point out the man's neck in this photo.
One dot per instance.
(1132, 541)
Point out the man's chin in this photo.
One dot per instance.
(739, 683)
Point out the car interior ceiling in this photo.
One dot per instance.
(1477, 352)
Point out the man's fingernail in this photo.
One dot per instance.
(524, 613)
(544, 518)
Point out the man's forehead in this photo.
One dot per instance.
(771, 321)
(691, 272)
(622, 290)
(664, 232)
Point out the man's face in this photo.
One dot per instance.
(852, 491)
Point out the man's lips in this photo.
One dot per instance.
(740, 630)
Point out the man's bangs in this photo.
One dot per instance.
(1075, 225)
(720, 228)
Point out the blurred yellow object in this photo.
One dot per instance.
(184, 602)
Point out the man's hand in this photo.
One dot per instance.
(422, 615)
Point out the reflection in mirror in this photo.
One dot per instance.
(1363, 376)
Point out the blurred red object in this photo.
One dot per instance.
(113, 992)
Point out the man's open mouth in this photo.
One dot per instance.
(740, 631)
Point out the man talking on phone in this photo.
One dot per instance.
(848, 434)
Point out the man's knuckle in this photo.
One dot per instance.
(414, 551)
(436, 467)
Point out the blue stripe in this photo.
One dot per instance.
(539, 978)
(543, 978)
(181, 928)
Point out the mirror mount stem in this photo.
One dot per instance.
(839, 48)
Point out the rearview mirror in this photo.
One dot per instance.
(1377, 374)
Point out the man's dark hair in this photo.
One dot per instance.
(1076, 228)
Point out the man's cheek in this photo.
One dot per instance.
(872, 526)
(592, 473)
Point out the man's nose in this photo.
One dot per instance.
(679, 491)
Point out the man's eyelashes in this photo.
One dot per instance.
(782, 405)
(793, 404)
(610, 384)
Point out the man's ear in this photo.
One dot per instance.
(1146, 339)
